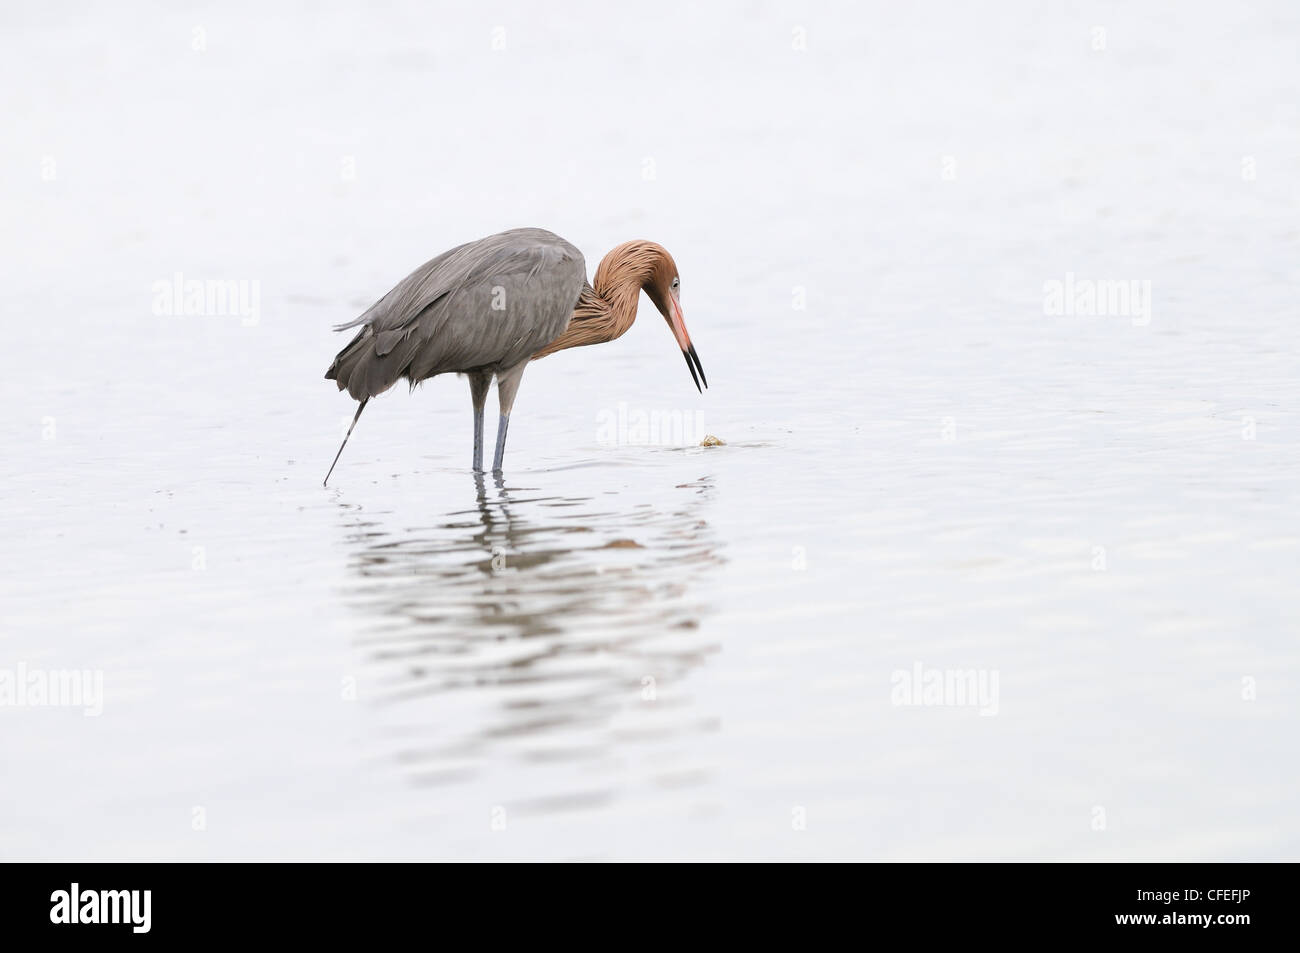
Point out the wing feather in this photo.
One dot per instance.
(487, 304)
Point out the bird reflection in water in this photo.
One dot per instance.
(539, 631)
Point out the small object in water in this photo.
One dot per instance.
(712, 441)
(623, 544)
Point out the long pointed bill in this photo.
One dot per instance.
(678, 326)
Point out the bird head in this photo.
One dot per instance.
(663, 286)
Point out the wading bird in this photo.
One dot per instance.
(487, 308)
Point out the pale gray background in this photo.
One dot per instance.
(776, 169)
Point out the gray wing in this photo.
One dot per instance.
(490, 303)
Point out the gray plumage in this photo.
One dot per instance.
(484, 306)
(482, 309)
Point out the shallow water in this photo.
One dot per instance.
(622, 650)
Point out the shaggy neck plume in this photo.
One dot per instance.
(607, 309)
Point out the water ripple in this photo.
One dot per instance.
(534, 628)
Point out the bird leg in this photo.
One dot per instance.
(507, 386)
(478, 441)
(502, 424)
(478, 389)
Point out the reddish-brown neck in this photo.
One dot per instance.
(607, 308)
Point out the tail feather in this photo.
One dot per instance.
(372, 363)
(346, 360)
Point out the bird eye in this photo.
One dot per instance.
(676, 282)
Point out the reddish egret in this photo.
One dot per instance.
(489, 307)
